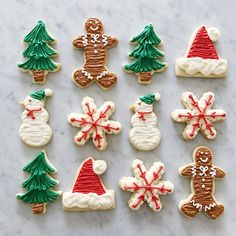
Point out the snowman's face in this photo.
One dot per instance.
(32, 103)
(203, 156)
(94, 26)
(142, 106)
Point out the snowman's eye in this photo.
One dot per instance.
(30, 100)
(139, 103)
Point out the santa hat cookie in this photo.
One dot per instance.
(201, 59)
(88, 192)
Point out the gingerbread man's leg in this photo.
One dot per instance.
(190, 208)
(215, 211)
(107, 80)
(82, 78)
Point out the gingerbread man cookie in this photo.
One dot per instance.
(203, 175)
(95, 45)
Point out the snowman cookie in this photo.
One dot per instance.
(34, 130)
(95, 44)
(145, 135)
(203, 174)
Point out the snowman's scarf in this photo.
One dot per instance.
(31, 112)
(142, 114)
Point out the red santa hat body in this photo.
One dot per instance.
(201, 59)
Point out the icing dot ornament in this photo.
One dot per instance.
(39, 54)
(94, 123)
(145, 135)
(39, 184)
(34, 130)
(146, 185)
(146, 56)
(198, 115)
(88, 192)
(203, 174)
(201, 59)
(95, 44)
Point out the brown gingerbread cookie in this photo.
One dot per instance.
(203, 175)
(95, 45)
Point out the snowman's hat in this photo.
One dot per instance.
(150, 98)
(41, 94)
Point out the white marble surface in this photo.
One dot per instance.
(174, 21)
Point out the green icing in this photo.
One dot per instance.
(148, 98)
(38, 52)
(146, 53)
(39, 182)
(39, 95)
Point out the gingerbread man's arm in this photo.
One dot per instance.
(186, 170)
(219, 172)
(80, 42)
(111, 41)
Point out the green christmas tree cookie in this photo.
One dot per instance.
(145, 55)
(39, 184)
(39, 54)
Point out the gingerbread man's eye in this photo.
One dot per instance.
(90, 22)
(206, 153)
(201, 153)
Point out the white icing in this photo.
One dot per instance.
(144, 135)
(193, 111)
(207, 67)
(35, 132)
(194, 171)
(90, 201)
(207, 208)
(86, 74)
(104, 40)
(204, 160)
(105, 72)
(196, 204)
(95, 38)
(148, 180)
(93, 28)
(213, 171)
(84, 40)
(99, 167)
(213, 33)
(203, 170)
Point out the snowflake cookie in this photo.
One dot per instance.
(94, 123)
(146, 185)
(198, 115)
(203, 174)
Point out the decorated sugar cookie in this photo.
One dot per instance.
(145, 135)
(34, 130)
(146, 185)
(88, 192)
(94, 123)
(203, 174)
(201, 59)
(95, 44)
(39, 184)
(198, 115)
(146, 56)
(39, 54)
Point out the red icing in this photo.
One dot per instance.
(202, 46)
(31, 112)
(148, 187)
(142, 114)
(94, 124)
(201, 115)
(87, 181)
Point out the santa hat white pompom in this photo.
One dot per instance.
(157, 96)
(48, 92)
(99, 167)
(213, 33)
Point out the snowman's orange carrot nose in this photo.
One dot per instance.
(21, 103)
(132, 107)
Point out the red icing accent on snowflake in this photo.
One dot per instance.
(146, 185)
(200, 118)
(31, 112)
(87, 181)
(202, 46)
(95, 124)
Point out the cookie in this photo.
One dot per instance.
(146, 185)
(34, 130)
(94, 123)
(145, 135)
(203, 174)
(146, 55)
(95, 44)
(39, 184)
(88, 192)
(39, 54)
(198, 115)
(201, 59)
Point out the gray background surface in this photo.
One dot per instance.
(174, 21)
